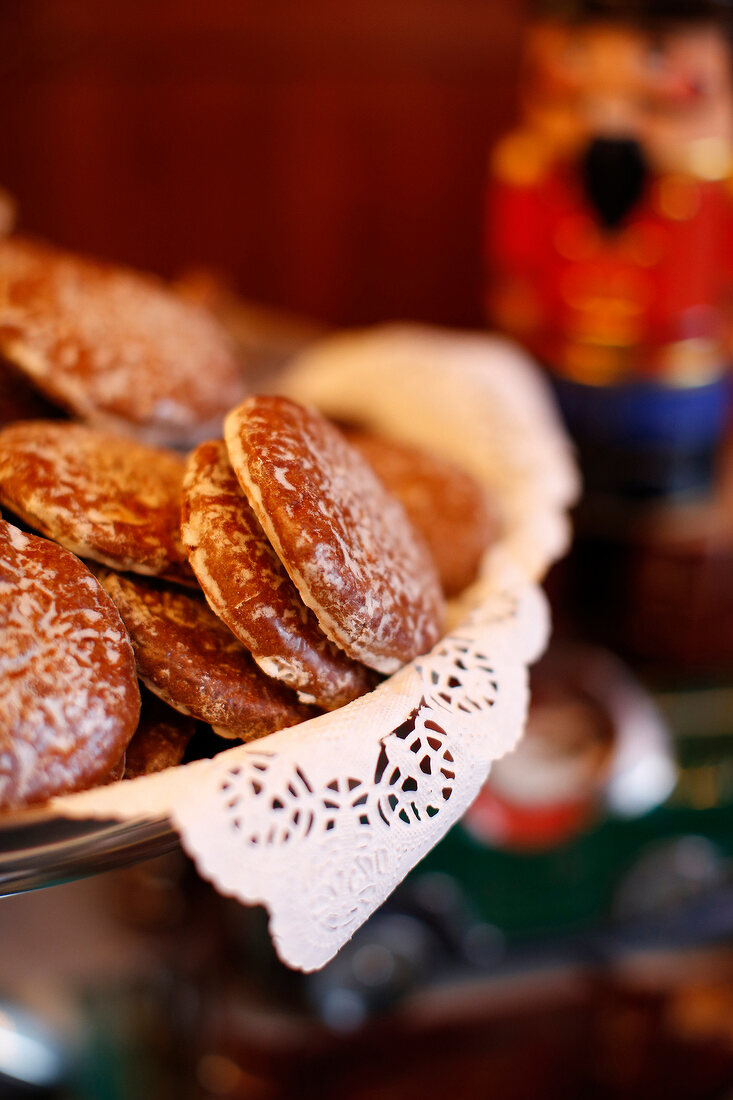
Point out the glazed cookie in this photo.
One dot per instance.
(160, 739)
(248, 588)
(449, 507)
(115, 348)
(69, 702)
(192, 661)
(102, 496)
(347, 544)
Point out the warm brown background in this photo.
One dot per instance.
(327, 153)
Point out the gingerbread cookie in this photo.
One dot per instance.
(102, 496)
(69, 702)
(446, 504)
(114, 347)
(160, 739)
(192, 661)
(347, 544)
(248, 588)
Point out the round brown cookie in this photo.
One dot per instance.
(348, 545)
(192, 661)
(102, 496)
(448, 506)
(114, 347)
(69, 701)
(160, 739)
(248, 588)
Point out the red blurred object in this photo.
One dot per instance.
(610, 228)
(600, 308)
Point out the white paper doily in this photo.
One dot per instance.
(321, 821)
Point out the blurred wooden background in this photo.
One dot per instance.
(328, 154)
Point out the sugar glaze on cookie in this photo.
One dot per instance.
(70, 701)
(247, 586)
(192, 661)
(347, 544)
(113, 346)
(100, 495)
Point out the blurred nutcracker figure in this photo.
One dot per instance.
(610, 234)
(610, 252)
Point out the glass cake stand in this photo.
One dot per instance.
(37, 849)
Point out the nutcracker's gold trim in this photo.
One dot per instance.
(684, 364)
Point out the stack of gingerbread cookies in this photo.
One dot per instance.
(250, 583)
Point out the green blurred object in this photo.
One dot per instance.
(574, 885)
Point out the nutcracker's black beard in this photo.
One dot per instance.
(613, 171)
